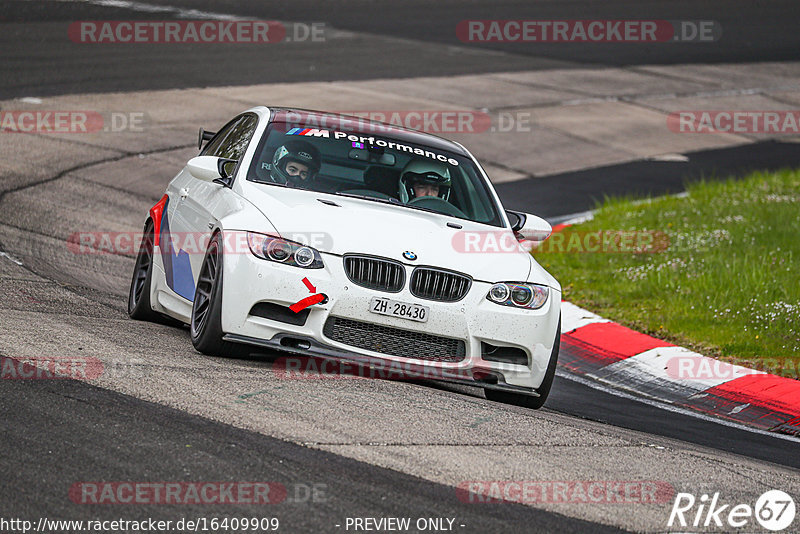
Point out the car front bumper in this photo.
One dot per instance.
(474, 320)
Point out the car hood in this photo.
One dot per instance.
(342, 225)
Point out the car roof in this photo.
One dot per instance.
(361, 125)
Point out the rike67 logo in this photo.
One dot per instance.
(774, 510)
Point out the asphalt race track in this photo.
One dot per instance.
(372, 40)
(371, 448)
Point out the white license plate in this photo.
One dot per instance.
(395, 308)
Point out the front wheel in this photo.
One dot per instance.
(206, 322)
(529, 401)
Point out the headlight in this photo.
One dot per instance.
(280, 250)
(499, 293)
(304, 256)
(519, 295)
(277, 250)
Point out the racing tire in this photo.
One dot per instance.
(529, 401)
(139, 295)
(206, 322)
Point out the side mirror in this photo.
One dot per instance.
(225, 167)
(529, 227)
(212, 169)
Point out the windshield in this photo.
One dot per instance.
(373, 166)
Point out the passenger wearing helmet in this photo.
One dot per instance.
(422, 177)
(295, 163)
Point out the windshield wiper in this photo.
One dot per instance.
(391, 201)
(264, 182)
(394, 202)
(428, 210)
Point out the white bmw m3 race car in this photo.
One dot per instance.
(339, 238)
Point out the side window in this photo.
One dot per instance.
(212, 147)
(235, 142)
(474, 203)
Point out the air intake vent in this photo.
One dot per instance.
(375, 273)
(276, 312)
(394, 341)
(437, 284)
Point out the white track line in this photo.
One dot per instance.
(10, 257)
(573, 317)
(154, 8)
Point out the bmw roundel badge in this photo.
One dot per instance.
(409, 255)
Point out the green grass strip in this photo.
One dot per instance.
(726, 285)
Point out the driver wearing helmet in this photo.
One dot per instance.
(424, 178)
(295, 163)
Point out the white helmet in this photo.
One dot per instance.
(424, 171)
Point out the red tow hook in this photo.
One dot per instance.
(319, 298)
